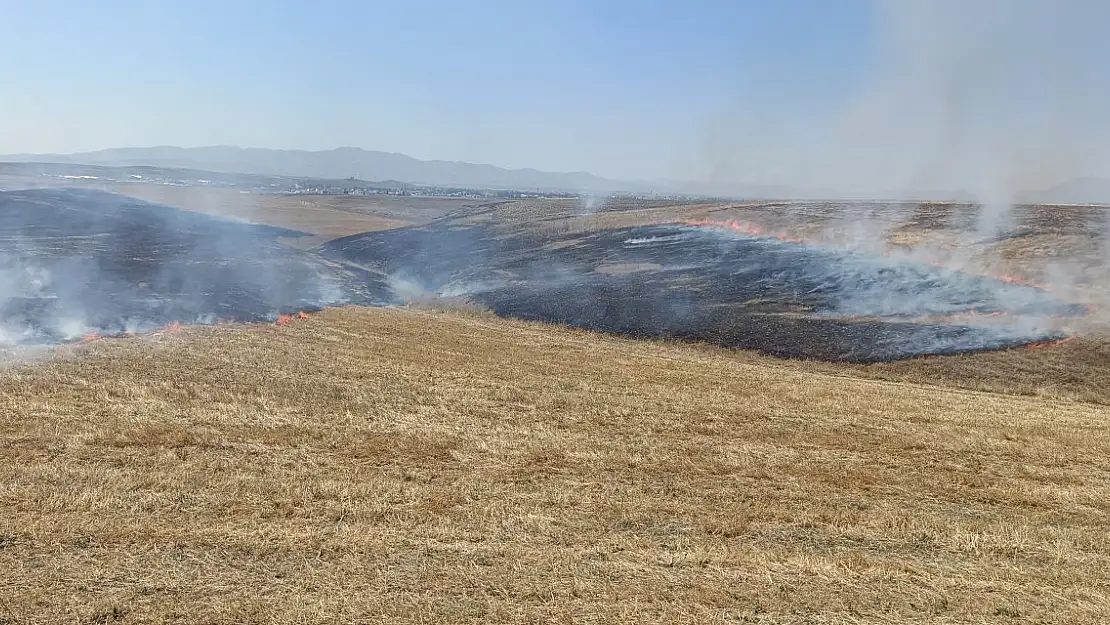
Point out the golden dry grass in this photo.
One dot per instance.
(408, 466)
(556, 217)
(326, 216)
(1073, 371)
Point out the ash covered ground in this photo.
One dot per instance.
(78, 262)
(704, 284)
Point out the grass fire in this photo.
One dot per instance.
(118, 267)
(212, 426)
(734, 287)
(83, 264)
(776, 313)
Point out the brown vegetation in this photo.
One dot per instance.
(328, 216)
(397, 466)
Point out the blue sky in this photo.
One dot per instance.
(631, 89)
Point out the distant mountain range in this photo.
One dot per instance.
(348, 162)
(336, 164)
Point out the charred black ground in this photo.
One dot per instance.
(702, 284)
(75, 262)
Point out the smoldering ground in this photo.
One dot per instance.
(712, 284)
(80, 262)
(981, 101)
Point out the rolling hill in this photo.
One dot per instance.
(338, 163)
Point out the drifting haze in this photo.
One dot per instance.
(988, 97)
(883, 97)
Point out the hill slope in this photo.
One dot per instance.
(400, 466)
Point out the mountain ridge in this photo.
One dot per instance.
(342, 162)
(373, 165)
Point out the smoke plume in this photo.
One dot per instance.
(980, 98)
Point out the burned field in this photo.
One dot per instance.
(705, 284)
(322, 470)
(78, 263)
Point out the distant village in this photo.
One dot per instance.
(353, 186)
(22, 173)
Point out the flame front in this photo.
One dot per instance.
(1054, 343)
(174, 327)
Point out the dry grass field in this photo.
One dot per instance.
(416, 466)
(411, 466)
(326, 216)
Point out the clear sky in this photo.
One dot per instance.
(795, 91)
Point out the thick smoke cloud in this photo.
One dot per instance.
(81, 262)
(982, 101)
(979, 98)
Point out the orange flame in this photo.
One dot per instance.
(1053, 343)
(284, 318)
(742, 227)
(1012, 279)
(176, 326)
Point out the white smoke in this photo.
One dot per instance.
(985, 97)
